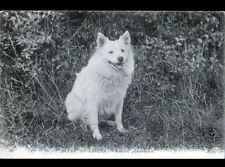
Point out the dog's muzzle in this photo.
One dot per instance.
(117, 66)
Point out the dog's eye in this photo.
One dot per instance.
(122, 50)
(110, 51)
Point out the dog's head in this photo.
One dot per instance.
(114, 53)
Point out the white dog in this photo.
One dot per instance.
(101, 86)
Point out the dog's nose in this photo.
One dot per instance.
(120, 59)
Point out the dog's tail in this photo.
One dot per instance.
(74, 107)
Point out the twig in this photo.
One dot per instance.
(53, 138)
(12, 45)
(43, 88)
(53, 81)
(4, 89)
(68, 31)
(79, 28)
(45, 133)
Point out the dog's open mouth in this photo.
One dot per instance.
(117, 66)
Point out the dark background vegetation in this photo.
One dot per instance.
(175, 99)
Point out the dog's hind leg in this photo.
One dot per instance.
(109, 122)
(73, 107)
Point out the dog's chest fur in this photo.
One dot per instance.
(113, 90)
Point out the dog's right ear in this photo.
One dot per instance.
(101, 39)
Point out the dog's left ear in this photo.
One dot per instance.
(126, 37)
(101, 40)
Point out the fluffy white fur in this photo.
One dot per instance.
(101, 86)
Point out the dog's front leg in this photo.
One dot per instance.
(93, 120)
(118, 118)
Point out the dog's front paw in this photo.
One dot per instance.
(122, 130)
(97, 136)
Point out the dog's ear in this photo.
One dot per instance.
(101, 39)
(126, 37)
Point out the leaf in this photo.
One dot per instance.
(206, 36)
(58, 66)
(199, 40)
(177, 39)
(179, 44)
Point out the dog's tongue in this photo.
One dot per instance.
(119, 64)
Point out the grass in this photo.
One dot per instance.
(154, 122)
